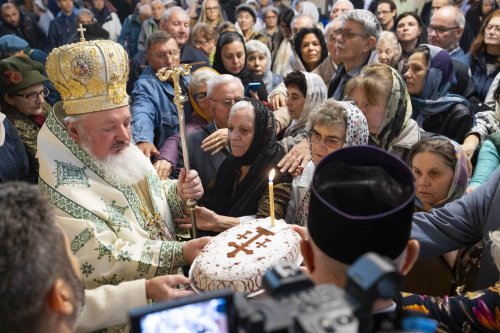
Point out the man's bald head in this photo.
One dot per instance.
(446, 27)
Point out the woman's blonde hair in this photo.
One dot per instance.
(375, 81)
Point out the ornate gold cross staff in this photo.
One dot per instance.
(174, 73)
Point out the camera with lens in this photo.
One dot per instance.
(293, 304)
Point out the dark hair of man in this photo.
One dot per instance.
(298, 79)
(156, 38)
(440, 146)
(32, 256)
(391, 4)
(300, 36)
(286, 17)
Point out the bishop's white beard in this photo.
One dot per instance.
(128, 167)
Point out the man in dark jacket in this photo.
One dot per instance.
(63, 26)
(23, 25)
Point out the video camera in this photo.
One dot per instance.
(294, 304)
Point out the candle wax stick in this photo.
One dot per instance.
(271, 202)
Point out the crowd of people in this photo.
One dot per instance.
(373, 113)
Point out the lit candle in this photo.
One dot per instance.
(271, 196)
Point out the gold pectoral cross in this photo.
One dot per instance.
(244, 246)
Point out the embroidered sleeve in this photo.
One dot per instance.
(114, 250)
(174, 201)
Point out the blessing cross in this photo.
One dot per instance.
(243, 246)
(81, 29)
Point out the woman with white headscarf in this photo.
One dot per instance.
(305, 92)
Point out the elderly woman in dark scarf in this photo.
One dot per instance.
(428, 78)
(240, 191)
(231, 57)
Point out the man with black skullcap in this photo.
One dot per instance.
(361, 201)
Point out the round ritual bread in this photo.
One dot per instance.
(238, 257)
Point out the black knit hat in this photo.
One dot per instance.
(362, 200)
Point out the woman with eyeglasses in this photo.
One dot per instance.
(230, 58)
(23, 100)
(332, 125)
(240, 189)
(210, 13)
(484, 54)
(202, 115)
(204, 37)
(380, 93)
(410, 32)
(428, 78)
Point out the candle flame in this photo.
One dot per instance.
(271, 175)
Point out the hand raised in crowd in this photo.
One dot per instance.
(277, 101)
(191, 249)
(189, 185)
(163, 288)
(163, 168)
(148, 149)
(216, 141)
(296, 159)
(206, 219)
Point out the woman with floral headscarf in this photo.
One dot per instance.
(441, 170)
(428, 78)
(241, 185)
(332, 125)
(380, 92)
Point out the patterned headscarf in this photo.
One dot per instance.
(356, 127)
(356, 135)
(397, 114)
(462, 172)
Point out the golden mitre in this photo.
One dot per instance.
(91, 76)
